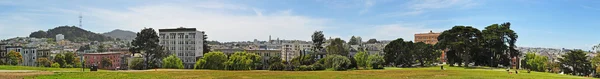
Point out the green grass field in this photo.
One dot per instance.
(388, 73)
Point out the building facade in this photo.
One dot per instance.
(116, 59)
(185, 43)
(29, 54)
(59, 37)
(427, 38)
(290, 50)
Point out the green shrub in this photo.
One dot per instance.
(172, 62)
(243, 61)
(212, 60)
(55, 65)
(336, 62)
(137, 64)
(276, 66)
(200, 64)
(68, 66)
(376, 61)
(318, 66)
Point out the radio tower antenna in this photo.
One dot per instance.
(80, 18)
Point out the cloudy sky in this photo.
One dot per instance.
(539, 23)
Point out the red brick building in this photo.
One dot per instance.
(96, 59)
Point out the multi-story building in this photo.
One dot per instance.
(186, 43)
(29, 54)
(59, 37)
(116, 58)
(427, 38)
(289, 50)
(3, 52)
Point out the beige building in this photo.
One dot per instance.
(427, 38)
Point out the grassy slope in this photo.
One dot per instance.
(389, 73)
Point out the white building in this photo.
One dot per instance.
(185, 43)
(289, 50)
(60, 37)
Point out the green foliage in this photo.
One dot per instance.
(137, 64)
(462, 43)
(376, 61)
(69, 58)
(399, 52)
(43, 62)
(60, 59)
(336, 62)
(212, 60)
(425, 54)
(68, 66)
(243, 61)
(575, 63)
(535, 62)
(371, 41)
(14, 58)
(146, 43)
(318, 39)
(596, 64)
(106, 62)
(498, 41)
(55, 65)
(354, 40)
(303, 60)
(172, 62)
(276, 66)
(362, 59)
(39, 34)
(337, 47)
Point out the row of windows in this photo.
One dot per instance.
(180, 42)
(186, 54)
(180, 35)
(182, 48)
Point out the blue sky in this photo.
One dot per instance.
(539, 23)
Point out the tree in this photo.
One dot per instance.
(15, 58)
(206, 48)
(362, 59)
(60, 59)
(425, 53)
(376, 61)
(243, 61)
(499, 45)
(146, 43)
(102, 48)
(337, 47)
(535, 62)
(354, 40)
(336, 62)
(575, 63)
(462, 43)
(39, 34)
(172, 62)
(371, 41)
(596, 65)
(318, 39)
(106, 62)
(69, 58)
(213, 60)
(43, 62)
(399, 52)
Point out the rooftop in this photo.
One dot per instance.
(177, 29)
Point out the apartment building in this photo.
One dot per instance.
(185, 43)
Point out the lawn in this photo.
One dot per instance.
(388, 73)
(8, 67)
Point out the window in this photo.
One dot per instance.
(192, 35)
(172, 35)
(180, 35)
(186, 36)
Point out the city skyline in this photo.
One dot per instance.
(538, 23)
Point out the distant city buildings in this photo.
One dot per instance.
(118, 59)
(185, 43)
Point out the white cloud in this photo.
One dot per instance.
(367, 5)
(232, 23)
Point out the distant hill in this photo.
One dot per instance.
(121, 34)
(71, 33)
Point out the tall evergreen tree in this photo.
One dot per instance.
(318, 39)
(575, 63)
(146, 44)
(462, 42)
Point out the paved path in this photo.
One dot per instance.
(19, 70)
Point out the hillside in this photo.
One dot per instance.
(121, 34)
(71, 33)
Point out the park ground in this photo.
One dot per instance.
(19, 72)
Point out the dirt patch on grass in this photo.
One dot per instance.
(20, 75)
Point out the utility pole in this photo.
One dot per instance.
(81, 53)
